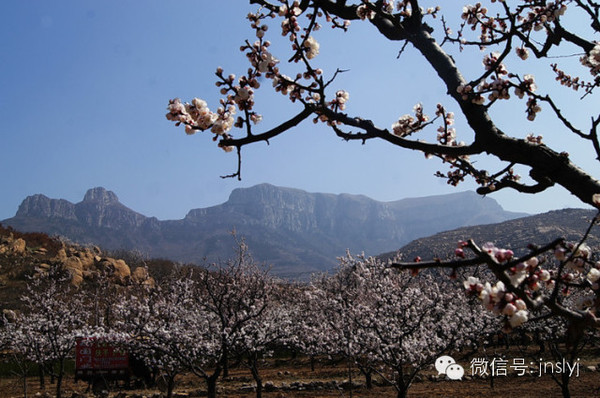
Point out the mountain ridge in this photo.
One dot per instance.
(296, 231)
(516, 234)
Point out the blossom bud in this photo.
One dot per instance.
(520, 304)
(509, 309)
(518, 318)
(545, 275)
(533, 262)
(593, 275)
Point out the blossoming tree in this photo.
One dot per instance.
(46, 334)
(393, 323)
(237, 295)
(338, 304)
(516, 38)
(169, 331)
(262, 333)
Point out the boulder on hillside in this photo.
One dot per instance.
(87, 258)
(61, 255)
(74, 267)
(141, 276)
(18, 246)
(118, 268)
(10, 245)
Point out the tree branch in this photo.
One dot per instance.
(267, 135)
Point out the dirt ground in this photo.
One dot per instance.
(239, 385)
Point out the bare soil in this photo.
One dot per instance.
(239, 385)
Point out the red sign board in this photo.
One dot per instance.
(99, 354)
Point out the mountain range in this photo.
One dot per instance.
(296, 232)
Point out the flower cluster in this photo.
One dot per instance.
(239, 94)
(497, 299)
(576, 257)
(532, 16)
(522, 53)
(533, 139)
(406, 125)
(195, 116)
(341, 97)
(533, 108)
(290, 24)
(592, 60)
(260, 58)
(525, 282)
(499, 87)
(364, 12)
(311, 47)
(446, 134)
(477, 16)
(541, 14)
(466, 91)
(527, 86)
(574, 82)
(492, 62)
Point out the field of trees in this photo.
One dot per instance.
(230, 329)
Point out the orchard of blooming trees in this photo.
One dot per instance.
(524, 47)
(386, 323)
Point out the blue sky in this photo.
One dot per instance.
(85, 84)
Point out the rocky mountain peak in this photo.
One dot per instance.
(262, 193)
(41, 206)
(100, 195)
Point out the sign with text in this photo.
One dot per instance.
(99, 354)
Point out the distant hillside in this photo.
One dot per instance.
(514, 234)
(295, 231)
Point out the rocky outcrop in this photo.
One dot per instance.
(10, 245)
(77, 262)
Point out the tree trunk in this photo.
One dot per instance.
(540, 343)
(564, 387)
(170, 386)
(368, 373)
(59, 377)
(401, 385)
(402, 391)
(42, 377)
(225, 360)
(211, 383)
(256, 376)
(350, 377)
(25, 384)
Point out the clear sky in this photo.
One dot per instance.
(84, 87)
